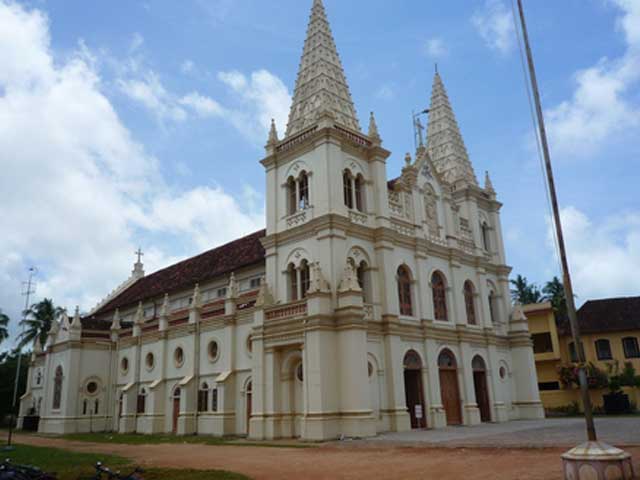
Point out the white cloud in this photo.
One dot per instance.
(259, 98)
(604, 255)
(385, 92)
(150, 93)
(203, 106)
(79, 192)
(435, 48)
(136, 42)
(600, 108)
(187, 67)
(494, 23)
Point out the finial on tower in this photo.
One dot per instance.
(488, 185)
(374, 134)
(138, 267)
(273, 134)
(407, 159)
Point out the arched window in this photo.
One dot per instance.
(203, 397)
(291, 196)
(447, 360)
(303, 202)
(439, 297)
(478, 364)
(293, 282)
(305, 279)
(603, 349)
(486, 236)
(57, 388)
(492, 306)
(347, 188)
(469, 303)
(142, 402)
(404, 291)
(214, 400)
(359, 191)
(363, 280)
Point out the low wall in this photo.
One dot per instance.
(563, 398)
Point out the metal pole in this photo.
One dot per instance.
(568, 288)
(27, 294)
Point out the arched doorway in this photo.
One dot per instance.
(248, 393)
(413, 389)
(176, 409)
(480, 386)
(449, 390)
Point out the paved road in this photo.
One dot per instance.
(559, 432)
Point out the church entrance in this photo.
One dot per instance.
(449, 390)
(413, 390)
(176, 410)
(480, 386)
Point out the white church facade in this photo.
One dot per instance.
(365, 306)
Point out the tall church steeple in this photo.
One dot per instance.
(321, 87)
(444, 140)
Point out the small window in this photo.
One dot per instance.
(249, 344)
(542, 342)
(214, 400)
(96, 407)
(124, 364)
(203, 398)
(359, 190)
(486, 236)
(254, 283)
(370, 369)
(469, 302)
(221, 292)
(492, 306)
(630, 346)
(439, 292)
(603, 349)
(404, 291)
(363, 280)
(304, 191)
(347, 186)
(548, 386)
(503, 373)
(291, 196)
(213, 350)
(39, 377)
(292, 273)
(305, 279)
(84, 407)
(57, 388)
(142, 402)
(178, 357)
(300, 373)
(92, 388)
(149, 361)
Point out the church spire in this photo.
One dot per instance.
(321, 87)
(444, 140)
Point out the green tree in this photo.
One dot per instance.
(8, 363)
(4, 327)
(524, 292)
(37, 322)
(554, 293)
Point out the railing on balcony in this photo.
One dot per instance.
(281, 312)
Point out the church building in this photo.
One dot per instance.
(367, 305)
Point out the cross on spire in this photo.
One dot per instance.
(139, 254)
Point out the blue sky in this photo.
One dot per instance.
(141, 123)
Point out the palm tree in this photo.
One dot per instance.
(554, 293)
(524, 292)
(37, 322)
(4, 327)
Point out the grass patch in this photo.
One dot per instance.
(72, 465)
(137, 439)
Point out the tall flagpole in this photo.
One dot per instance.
(566, 275)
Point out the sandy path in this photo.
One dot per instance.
(338, 461)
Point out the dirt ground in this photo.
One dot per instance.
(340, 461)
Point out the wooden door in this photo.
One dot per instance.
(450, 394)
(176, 414)
(482, 395)
(414, 399)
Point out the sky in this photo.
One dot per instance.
(141, 123)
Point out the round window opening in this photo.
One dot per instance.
(300, 373)
(213, 350)
(124, 364)
(178, 356)
(503, 373)
(92, 387)
(150, 360)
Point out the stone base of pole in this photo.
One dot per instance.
(597, 461)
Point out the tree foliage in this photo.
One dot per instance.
(8, 364)
(524, 292)
(37, 322)
(4, 327)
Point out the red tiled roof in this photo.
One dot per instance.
(610, 315)
(223, 260)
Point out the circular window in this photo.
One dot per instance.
(213, 350)
(178, 357)
(124, 365)
(300, 372)
(370, 369)
(503, 373)
(92, 387)
(149, 361)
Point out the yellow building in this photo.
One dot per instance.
(610, 330)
